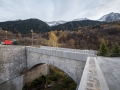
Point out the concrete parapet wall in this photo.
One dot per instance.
(82, 85)
(12, 62)
(92, 78)
(91, 52)
(60, 53)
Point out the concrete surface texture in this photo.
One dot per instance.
(90, 79)
(15, 83)
(35, 72)
(12, 62)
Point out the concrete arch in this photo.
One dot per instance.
(73, 68)
(55, 66)
(37, 65)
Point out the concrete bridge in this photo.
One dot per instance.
(80, 65)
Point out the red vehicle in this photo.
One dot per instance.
(7, 42)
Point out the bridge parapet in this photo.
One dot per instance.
(92, 78)
(92, 52)
(62, 53)
(12, 63)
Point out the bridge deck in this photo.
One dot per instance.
(111, 71)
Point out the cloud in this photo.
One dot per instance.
(50, 10)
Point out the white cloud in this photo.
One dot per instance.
(49, 10)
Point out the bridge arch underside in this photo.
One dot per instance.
(73, 68)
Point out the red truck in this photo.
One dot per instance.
(7, 42)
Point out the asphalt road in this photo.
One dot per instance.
(111, 71)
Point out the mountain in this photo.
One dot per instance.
(55, 23)
(74, 25)
(24, 26)
(110, 17)
(81, 22)
(80, 19)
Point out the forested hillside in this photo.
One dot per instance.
(24, 26)
(75, 25)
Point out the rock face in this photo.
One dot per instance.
(110, 17)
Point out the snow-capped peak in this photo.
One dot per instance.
(110, 17)
(55, 23)
(80, 19)
(107, 18)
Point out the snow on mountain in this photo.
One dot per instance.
(107, 18)
(110, 17)
(55, 23)
(80, 19)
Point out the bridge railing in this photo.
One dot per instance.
(92, 52)
(60, 53)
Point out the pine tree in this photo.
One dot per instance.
(103, 49)
(116, 50)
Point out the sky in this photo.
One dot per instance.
(54, 10)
